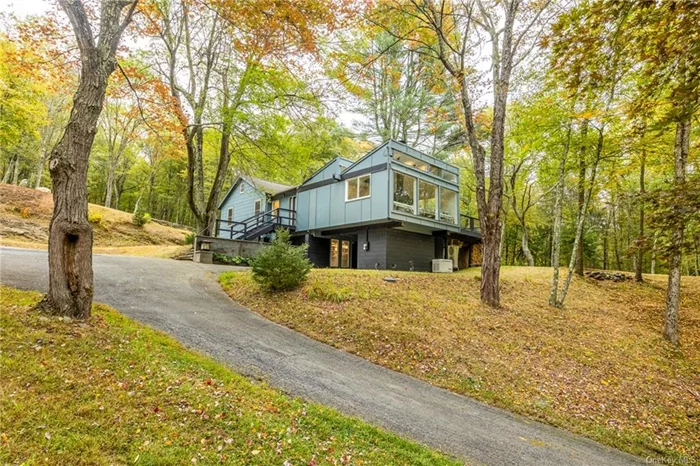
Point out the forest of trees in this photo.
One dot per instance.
(575, 123)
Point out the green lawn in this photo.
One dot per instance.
(112, 391)
(599, 367)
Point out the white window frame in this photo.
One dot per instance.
(347, 182)
(229, 214)
(293, 207)
(257, 207)
(414, 195)
(240, 188)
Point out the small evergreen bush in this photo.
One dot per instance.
(281, 266)
(189, 239)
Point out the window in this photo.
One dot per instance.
(357, 188)
(449, 176)
(340, 253)
(242, 187)
(258, 206)
(448, 205)
(404, 193)
(423, 166)
(293, 207)
(410, 161)
(427, 199)
(345, 254)
(229, 215)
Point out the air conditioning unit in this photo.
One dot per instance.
(442, 265)
(453, 255)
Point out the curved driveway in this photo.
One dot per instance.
(184, 300)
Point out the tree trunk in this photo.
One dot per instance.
(673, 295)
(580, 220)
(40, 168)
(15, 171)
(581, 192)
(491, 262)
(9, 170)
(70, 234)
(639, 266)
(110, 184)
(616, 238)
(526, 248)
(556, 228)
(653, 253)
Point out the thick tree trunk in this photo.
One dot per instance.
(491, 262)
(70, 234)
(673, 295)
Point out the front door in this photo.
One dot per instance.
(275, 208)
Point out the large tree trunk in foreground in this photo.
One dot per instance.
(673, 295)
(70, 234)
(70, 237)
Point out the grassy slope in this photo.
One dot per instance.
(599, 367)
(111, 391)
(25, 215)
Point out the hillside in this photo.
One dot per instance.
(598, 367)
(25, 215)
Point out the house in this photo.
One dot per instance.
(394, 208)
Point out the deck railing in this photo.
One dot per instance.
(235, 230)
(469, 223)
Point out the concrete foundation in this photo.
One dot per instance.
(204, 257)
(230, 247)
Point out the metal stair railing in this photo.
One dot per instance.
(238, 230)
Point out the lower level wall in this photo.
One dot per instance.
(410, 251)
(231, 247)
(395, 249)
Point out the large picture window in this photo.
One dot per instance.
(357, 188)
(448, 205)
(404, 193)
(427, 199)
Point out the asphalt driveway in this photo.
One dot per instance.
(184, 300)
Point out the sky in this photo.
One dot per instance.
(24, 7)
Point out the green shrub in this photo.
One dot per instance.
(281, 266)
(232, 260)
(140, 217)
(189, 239)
